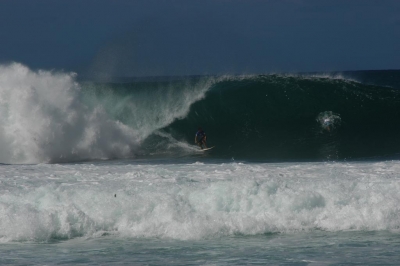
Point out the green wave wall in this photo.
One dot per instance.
(275, 117)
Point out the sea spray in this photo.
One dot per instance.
(42, 120)
(47, 116)
(147, 106)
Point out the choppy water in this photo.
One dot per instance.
(200, 213)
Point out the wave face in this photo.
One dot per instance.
(47, 116)
(195, 201)
(279, 117)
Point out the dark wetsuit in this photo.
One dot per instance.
(200, 137)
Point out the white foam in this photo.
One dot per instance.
(43, 119)
(194, 201)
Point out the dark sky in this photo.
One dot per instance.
(141, 38)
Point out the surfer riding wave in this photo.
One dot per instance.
(201, 138)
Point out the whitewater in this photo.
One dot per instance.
(305, 169)
(43, 118)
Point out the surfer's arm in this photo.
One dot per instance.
(195, 139)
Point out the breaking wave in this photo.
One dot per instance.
(195, 201)
(48, 116)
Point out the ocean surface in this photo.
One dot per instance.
(305, 169)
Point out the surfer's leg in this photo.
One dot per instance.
(200, 143)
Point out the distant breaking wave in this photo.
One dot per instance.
(48, 116)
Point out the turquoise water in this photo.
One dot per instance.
(303, 248)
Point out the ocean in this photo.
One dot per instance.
(305, 169)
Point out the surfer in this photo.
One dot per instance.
(200, 138)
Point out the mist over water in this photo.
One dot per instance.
(43, 120)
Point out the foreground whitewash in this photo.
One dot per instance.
(195, 201)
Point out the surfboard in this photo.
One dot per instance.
(207, 149)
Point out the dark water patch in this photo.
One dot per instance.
(276, 117)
